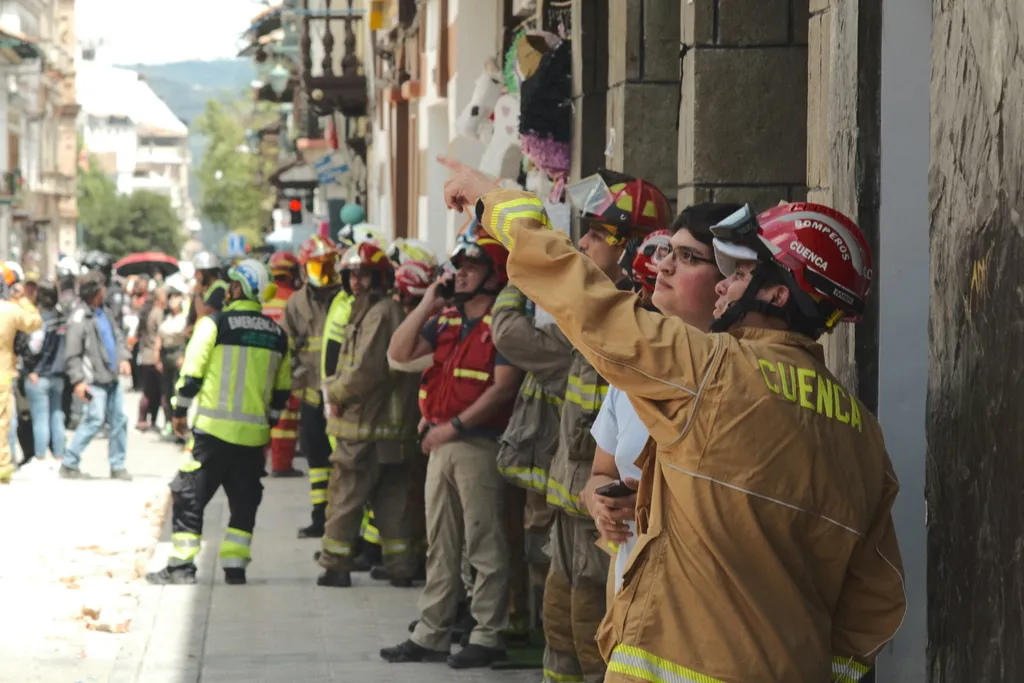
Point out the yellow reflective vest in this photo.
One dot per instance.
(237, 368)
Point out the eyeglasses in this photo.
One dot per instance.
(683, 255)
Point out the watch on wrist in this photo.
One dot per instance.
(457, 423)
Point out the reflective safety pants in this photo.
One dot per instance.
(368, 530)
(317, 449)
(465, 499)
(216, 463)
(518, 575)
(574, 602)
(374, 473)
(284, 435)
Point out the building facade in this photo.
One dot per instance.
(38, 203)
(133, 135)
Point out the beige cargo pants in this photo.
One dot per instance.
(465, 496)
(374, 473)
(574, 601)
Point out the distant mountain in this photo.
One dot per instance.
(186, 87)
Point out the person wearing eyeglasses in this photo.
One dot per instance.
(766, 548)
(676, 271)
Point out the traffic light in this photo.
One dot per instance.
(295, 208)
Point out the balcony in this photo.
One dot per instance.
(328, 90)
(160, 155)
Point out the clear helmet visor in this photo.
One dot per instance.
(590, 195)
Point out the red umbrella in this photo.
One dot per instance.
(147, 263)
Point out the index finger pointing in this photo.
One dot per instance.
(452, 164)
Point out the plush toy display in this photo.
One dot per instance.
(545, 122)
(480, 108)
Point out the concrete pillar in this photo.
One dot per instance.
(843, 141)
(589, 85)
(742, 118)
(643, 89)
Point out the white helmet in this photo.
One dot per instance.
(403, 250)
(362, 232)
(252, 275)
(15, 268)
(205, 260)
(176, 283)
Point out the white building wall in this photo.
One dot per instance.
(479, 24)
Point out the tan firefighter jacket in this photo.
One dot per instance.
(367, 400)
(531, 438)
(766, 550)
(547, 354)
(304, 317)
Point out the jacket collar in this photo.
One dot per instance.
(783, 337)
(244, 305)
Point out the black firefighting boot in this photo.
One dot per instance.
(184, 574)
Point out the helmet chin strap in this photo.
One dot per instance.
(462, 297)
(749, 303)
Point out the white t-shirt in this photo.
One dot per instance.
(620, 432)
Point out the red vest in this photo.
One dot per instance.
(463, 369)
(274, 309)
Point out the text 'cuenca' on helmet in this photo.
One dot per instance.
(820, 253)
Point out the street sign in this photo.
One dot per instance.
(236, 244)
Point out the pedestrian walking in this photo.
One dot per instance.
(96, 352)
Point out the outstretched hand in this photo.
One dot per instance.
(465, 186)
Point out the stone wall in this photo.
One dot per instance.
(743, 112)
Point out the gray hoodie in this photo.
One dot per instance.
(86, 357)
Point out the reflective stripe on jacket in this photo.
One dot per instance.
(463, 370)
(335, 324)
(767, 550)
(236, 369)
(531, 438)
(368, 401)
(304, 317)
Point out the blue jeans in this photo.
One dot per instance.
(44, 400)
(107, 405)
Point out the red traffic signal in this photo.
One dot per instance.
(295, 205)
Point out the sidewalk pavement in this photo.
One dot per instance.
(72, 552)
(281, 626)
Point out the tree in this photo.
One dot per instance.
(125, 224)
(231, 193)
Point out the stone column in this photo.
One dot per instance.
(643, 90)
(742, 119)
(843, 142)
(975, 431)
(589, 85)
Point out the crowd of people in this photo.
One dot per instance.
(639, 428)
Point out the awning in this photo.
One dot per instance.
(266, 21)
(295, 174)
(19, 45)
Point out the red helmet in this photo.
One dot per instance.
(413, 278)
(648, 256)
(367, 256)
(822, 250)
(482, 249)
(284, 261)
(622, 205)
(317, 248)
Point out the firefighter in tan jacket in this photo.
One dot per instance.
(304, 318)
(767, 550)
(367, 407)
(529, 442)
(574, 593)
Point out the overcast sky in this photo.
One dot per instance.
(158, 31)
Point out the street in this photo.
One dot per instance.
(77, 548)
